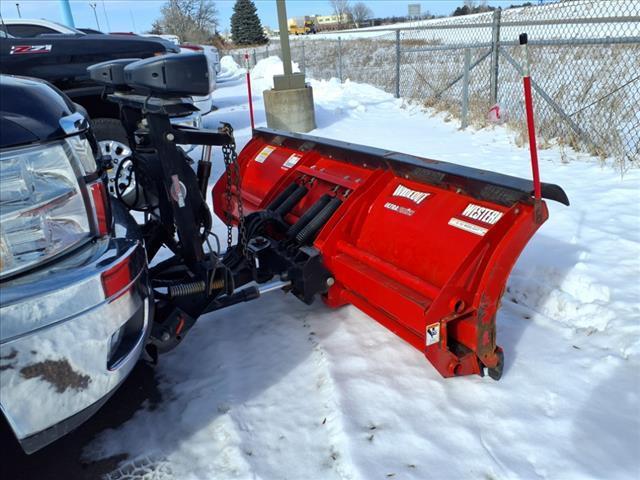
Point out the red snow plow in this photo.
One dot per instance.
(424, 247)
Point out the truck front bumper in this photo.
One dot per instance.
(69, 335)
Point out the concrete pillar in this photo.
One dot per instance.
(289, 105)
(290, 110)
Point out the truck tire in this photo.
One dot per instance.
(113, 141)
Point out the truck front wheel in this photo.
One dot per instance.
(113, 142)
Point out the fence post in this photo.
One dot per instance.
(267, 51)
(340, 59)
(254, 57)
(465, 88)
(303, 63)
(495, 44)
(398, 63)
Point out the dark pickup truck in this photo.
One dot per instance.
(76, 304)
(62, 60)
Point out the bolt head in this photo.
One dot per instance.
(170, 137)
(330, 281)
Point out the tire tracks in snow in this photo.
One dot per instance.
(333, 421)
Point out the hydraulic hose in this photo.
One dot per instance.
(309, 232)
(204, 172)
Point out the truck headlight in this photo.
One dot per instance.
(42, 208)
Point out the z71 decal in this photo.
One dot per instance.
(24, 49)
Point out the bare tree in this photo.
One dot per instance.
(342, 10)
(361, 13)
(205, 16)
(192, 20)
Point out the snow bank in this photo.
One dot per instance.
(278, 389)
(263, 72)
(339, 97)
(229, 69)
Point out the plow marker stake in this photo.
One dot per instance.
(246, 59)
(424, 247)
(533, 147)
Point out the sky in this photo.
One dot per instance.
(137, 15)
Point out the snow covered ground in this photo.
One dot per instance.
(276, 389)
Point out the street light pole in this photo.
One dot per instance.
(66, 13)
(133, 21)
(95, 14)
(104, 9)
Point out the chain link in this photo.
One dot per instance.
(584, 56)
(232, 170)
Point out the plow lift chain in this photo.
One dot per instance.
(232, 173)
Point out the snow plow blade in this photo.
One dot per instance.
(422, 246)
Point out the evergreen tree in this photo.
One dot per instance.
(156, 28)
(246, 28)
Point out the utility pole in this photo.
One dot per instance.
(94, 5)
(133, 21)
(18, 8)
(285, 48)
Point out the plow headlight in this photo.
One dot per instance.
(42, 209)
(183, 74)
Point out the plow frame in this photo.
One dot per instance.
(451, 319)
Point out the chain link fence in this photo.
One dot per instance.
(585, 69)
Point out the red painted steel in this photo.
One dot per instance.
(246, 58)
(428, 260)
(528, 98)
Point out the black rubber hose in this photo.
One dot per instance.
(291, 201)
(308, 233)
(308, 215)
(204, 172)
(275, 203)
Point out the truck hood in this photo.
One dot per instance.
(30, 111)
